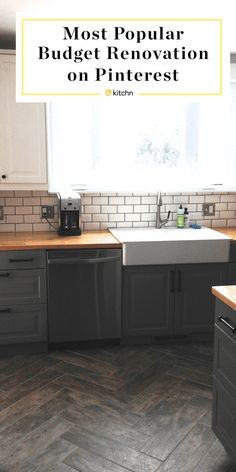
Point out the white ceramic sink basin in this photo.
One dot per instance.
(172, 245)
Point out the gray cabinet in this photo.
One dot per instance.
(23, 309)
(148, 300)
(224, 386)
(162, 300)
(194, 303)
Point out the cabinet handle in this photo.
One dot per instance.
(29, 259)
(179, 288)
(5, 310)
(5, 274)
(226, 323)
(4, 176)
(172, 281)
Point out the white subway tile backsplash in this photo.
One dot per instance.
(99, 200)
(22, 209)
(91, 226)
(212, 198)
(150, 199)
(196, 199)
(148, 217)
(231, 223)
(132, 217)
(31, 201)
(14, 219)
(116, 217)
(133, 200)
(23, 227)
(181, 199)
(232, 206)
(125, 208)
(222, 206)
(5, 227)
(92, 209)
(97, 217)
(141, 208)
(14, 201)
(108, 209)
(228, 214)
(116, 200)
(228, 197)
(220, 223)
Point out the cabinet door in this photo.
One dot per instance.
(224, 418)
(148, 300)
(22, 133)
(23, 324)
(194, 303)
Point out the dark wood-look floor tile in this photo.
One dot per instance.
(86, 461)
(31, 370)
(34, 443)
(52, 455)
(147, 398)
(215, 460)
(195, 388)
(29, 386)
(112, 382)
(172, 421)
(77, 358)
(95, 420)
(17, 410)
(188, 453)
(119, 406)
(13, 364)
(32, 420)
(112, 450)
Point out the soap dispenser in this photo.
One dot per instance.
(180, 217)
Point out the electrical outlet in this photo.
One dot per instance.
(47, 211)
(208, 209)
(1, 213)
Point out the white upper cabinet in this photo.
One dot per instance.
(22, 135)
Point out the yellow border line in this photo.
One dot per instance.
(121, 19)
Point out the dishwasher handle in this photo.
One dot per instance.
(75, 260)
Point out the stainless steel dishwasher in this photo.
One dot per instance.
(84, 294)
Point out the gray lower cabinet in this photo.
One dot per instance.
(148, 300)
(23, 308)
(224, 386)
(162, 300)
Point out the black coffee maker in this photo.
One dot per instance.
(69, 214)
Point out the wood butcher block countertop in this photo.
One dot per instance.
(51, 240)
(231, 232)
(227, 294)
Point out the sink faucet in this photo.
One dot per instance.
(159, 221)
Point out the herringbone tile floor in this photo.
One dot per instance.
(112, 409)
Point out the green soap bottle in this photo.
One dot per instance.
(180, 217)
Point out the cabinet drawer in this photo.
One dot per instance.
(225, 360)
(224, 418)
(20, 324)
(22, 286)
(22, 259)
(225, 319)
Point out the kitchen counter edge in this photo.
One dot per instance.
(51, 240)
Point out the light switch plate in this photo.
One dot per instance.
(1, 213)
(208, 209)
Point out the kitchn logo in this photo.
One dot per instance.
(118, 93)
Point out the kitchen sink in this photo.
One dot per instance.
(172, 245)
